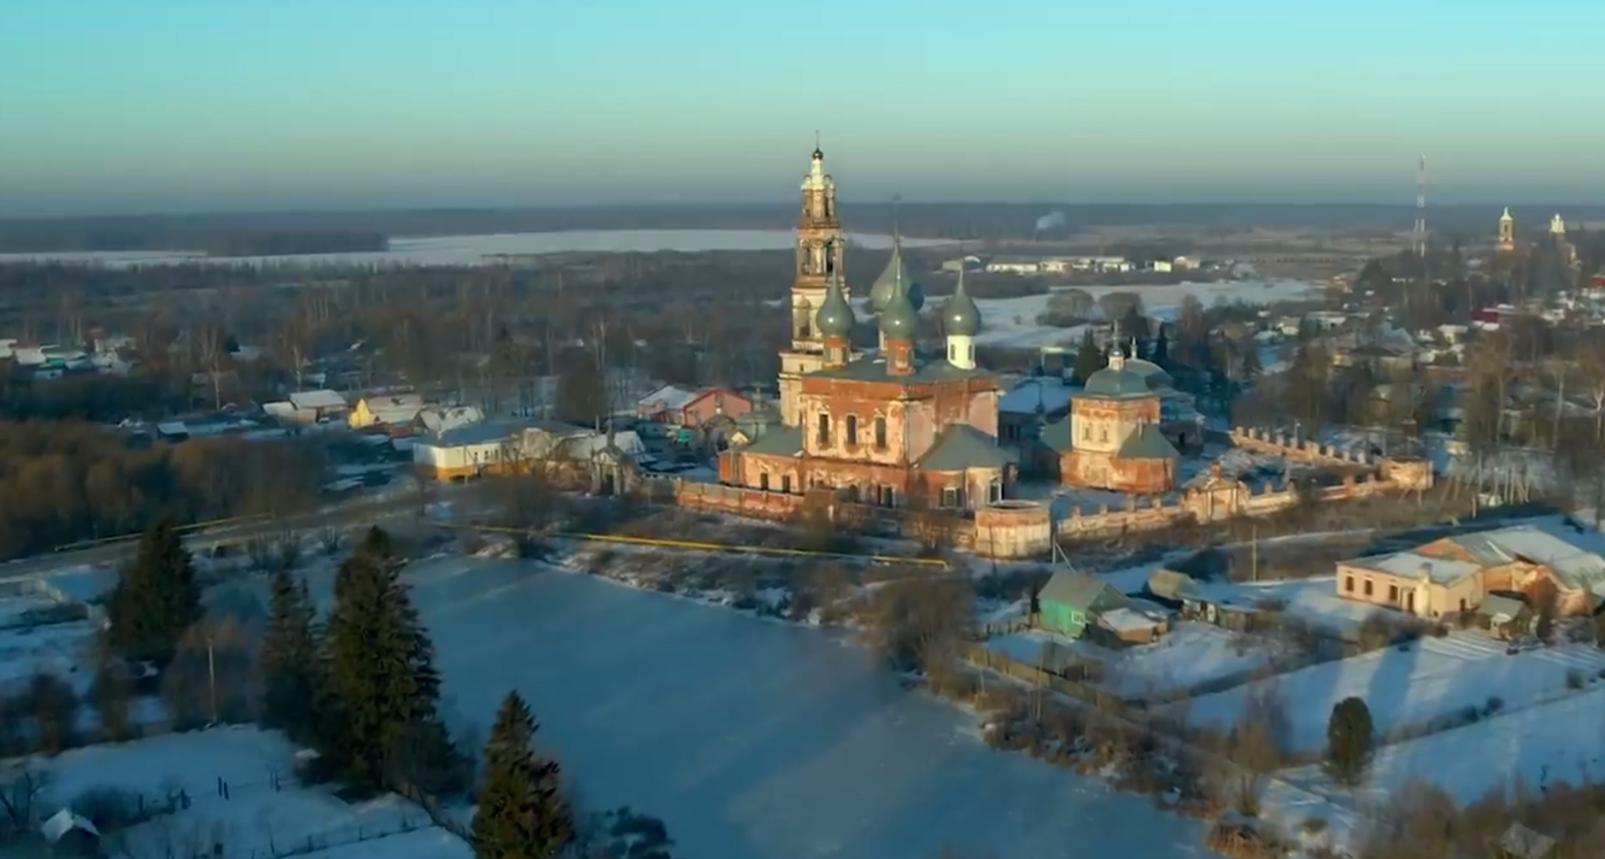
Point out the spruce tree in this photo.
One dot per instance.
(1250, 369)
(383, 681)
(1350, 740)
(522, 813)
(288, 659)
(1089, 358)
(156, 598)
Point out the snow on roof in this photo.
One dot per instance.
(1565, 553)
(1053, 395)
(324, 399)
(442, 420)
(1412, 564)
(1127, 620)
(669, 397)
(172, 428)
(588, 446)
(396, 409)
(65, 821)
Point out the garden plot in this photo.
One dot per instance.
(1193, 655)
(1430, 683)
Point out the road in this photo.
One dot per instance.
(356, 512)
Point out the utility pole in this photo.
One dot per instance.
(211, 675)
(1253, 552)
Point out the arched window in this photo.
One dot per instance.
(823, 434)
(852, 429)
(880, 432)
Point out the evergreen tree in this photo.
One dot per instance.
(288, 659)
(1162, 349)
(1250, 369)
(383, 682)
(1350, 740)
(522, 814)
(1089, 358)
(156, 598)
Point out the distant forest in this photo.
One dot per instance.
(268, 234)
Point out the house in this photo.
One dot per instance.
(324, 404)
(1131, 626)
(1412, 582)
(467, 451)
(1541, 562)
(389, 410)
(308, 407)
(1071, 601)
(663, 404)
(439, 420)
(682, 408)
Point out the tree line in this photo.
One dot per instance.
(67, 481)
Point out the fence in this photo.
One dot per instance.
(980, 656)
(331, 838)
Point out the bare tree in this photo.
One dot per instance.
(22, 790)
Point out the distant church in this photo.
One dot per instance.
(894, 426)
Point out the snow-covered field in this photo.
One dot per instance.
(1193, 654)
(1013, 321)
(1411, 686)
(479, 249)
(241, 790)
(752, 738)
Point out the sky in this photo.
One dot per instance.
(122, 106)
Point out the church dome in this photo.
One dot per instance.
(835, 316)
(899, 319)
(1112, 382)
(1153, 375)
(960, 316)
(880, 292)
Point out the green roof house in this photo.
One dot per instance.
(1069, 602)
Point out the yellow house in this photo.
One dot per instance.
(394, 410)
(1411, 582)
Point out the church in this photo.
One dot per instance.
(900, 427)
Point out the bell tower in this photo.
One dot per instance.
(821, 253)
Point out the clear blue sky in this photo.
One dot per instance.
(163, 105)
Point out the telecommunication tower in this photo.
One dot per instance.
(1420, 237)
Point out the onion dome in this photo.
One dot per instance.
(899, 320)
(881, 290)
(835, 316)
(960, 316)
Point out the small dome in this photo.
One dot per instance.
(1110, 382)
(960, 316)
(1152, 374)
(835, 316)
(899, 319)
(881, 290)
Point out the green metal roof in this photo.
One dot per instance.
(1082, 591)
(1111, 383)
(960, 447)
(872, 368)
(778, 441)
(1057, 436)
(1148, 443)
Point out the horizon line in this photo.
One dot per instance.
(707, 205)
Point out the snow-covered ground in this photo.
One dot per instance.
(1192, 655)
(479, 249)
(241, 789)
(1013, 321)
(1409, 687)
(752, 738)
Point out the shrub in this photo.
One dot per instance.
(1574, 679)
(1350, 741)
(111, 808)
(1493, 705)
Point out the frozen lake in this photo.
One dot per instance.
(481, 249)
(755, 739)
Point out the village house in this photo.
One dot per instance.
(1529, 564)
(309, 407)
(393, 410)
(681, 408)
